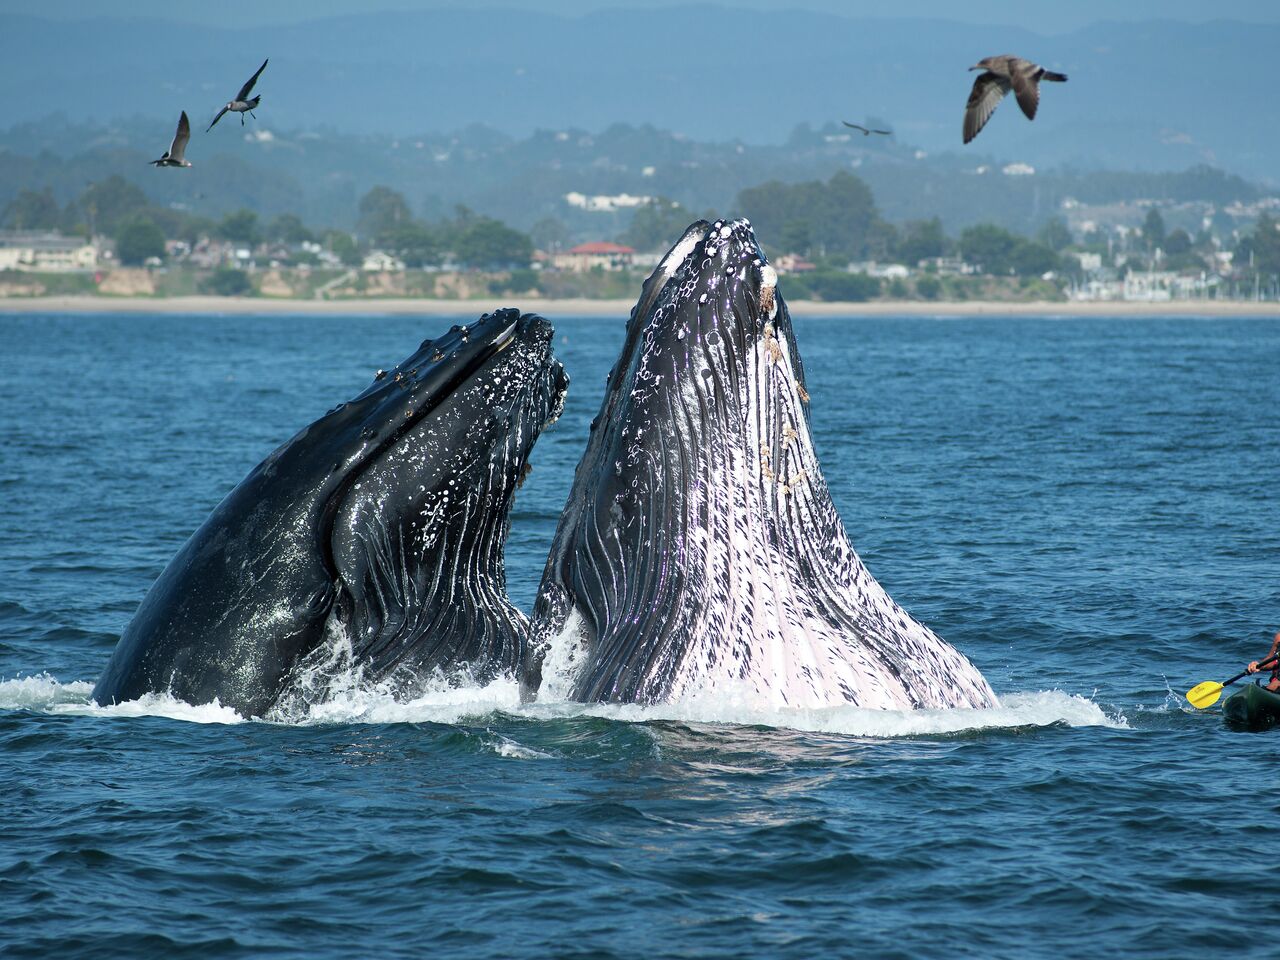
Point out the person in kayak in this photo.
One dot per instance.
(1274, 684)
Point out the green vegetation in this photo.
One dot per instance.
(28, 283)
(105, 206)
(549, 234)
(139, 240)
(483, 243)
(921, 240)
(1259, 252)
(928, 288)
(830, 284)
(1153, 230)
(657, 224)
(287, 228)
(240, 227)
(518, 281)
(1001, 253)
(30, 210)
(227, 282)
(833, 219)
(383, 211)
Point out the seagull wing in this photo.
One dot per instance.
(884, 133)
(855, 126)
(248, 87)
(179, 145)
(988, 90)
(1026, 87)
(216, 119)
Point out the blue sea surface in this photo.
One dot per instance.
(1088, 509)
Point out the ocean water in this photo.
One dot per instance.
(1088, 508)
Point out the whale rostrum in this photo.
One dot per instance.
(699, 548)
(382, 526)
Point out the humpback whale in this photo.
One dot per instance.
(383, 523)
(699, 548)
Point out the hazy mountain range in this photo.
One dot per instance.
(1145, 95)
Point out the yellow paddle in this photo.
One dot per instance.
(1206, 694)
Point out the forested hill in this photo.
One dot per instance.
(1146, 95)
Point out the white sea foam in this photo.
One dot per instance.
(439, 703)
(1041, 709)
(40, 692)
(45, 694)
(451, 704)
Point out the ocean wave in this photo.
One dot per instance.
(447, 704)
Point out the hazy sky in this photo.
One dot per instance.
(1048, 16)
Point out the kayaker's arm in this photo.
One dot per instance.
(1256, 665)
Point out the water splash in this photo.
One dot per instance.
(352, 702)
(43, 693)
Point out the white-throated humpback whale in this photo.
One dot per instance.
(699, 548)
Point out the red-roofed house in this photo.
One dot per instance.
(588, 256)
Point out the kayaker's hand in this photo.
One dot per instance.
(1253, 666)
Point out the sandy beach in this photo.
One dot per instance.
(610, 308)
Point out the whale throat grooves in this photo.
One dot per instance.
(700, 550)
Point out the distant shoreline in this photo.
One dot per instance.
(579, 307)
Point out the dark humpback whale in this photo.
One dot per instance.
(382, 525)
(699, 549)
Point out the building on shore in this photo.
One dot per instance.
(588, 256)
(948, 267)
(605, 203)
(881, 271)
(1148, 286)
(23, 250)
(793, 263)
(379, 262)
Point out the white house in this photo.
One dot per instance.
(1089, 262)
(884, 271)
(588, 256)
(379, 262)
(46, 251)
(605, 203)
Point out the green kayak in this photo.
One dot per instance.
(1253, 707)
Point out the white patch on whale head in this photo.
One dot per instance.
(678, 255)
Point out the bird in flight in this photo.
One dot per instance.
(865, 131)
(173, 157)
(999, 76)
(242, 104)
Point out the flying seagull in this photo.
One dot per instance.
(173, 157)
(1000, 75)
(866, 132)
(242, 104)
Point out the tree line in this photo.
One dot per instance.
(831, 223)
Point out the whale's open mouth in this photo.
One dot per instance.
(699, 544)
(384, 521)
